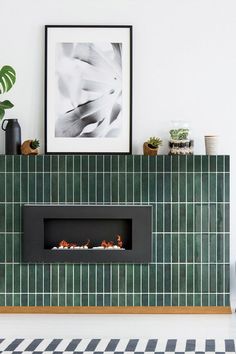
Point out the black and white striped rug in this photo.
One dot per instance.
(117, 346)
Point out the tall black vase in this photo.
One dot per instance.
(12, 136)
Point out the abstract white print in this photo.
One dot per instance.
(88, 93)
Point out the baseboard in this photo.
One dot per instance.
(103, 310)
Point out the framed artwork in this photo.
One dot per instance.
(88, 89)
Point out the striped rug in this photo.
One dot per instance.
(117, 346)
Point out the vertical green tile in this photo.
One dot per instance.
(130, 194)
(85, 192)
(62, 278)
(145, 278)
(2, 189)
(226, 187)
(9, 187)
(91, 187)
(205, 269)
(122, 192)
(167, 163)
(77, 280)
(205, 248)
(115, 196)
(213, 278)
(2, 217)
(77, 164)
(175, 278)
(197, 163)
(32, 278)
(144, 187)
(183, 278)
(159, 182)
(175, 248)
(167, 270)
(159, 162)
(137, 163)
(174, 187)
(136, 180)
(130, 278)
(107, 278)
(167, 215)
(197, 248)
(2, 163)
(220, 187)
(100, 187)
(152, 188)
(197, 187)
(167, 248)
(175, 217)
(205, 192)
(226, 218)
(160, 247)
(2, 278)
(85, 275)
(183, 187)
(106, 196)
(167, 187)
(182, 217)
(159, 217)
(220, 278)
(190, 163)
(190, 187)
(227, 163)
(174, 163)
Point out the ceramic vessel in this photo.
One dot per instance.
(211, 144)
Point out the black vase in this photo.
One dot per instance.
(12, 136)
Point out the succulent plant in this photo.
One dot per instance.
(154, 142)
(179, 134)
(34, 144)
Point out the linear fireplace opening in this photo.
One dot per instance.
(87, 234)
(79, 234)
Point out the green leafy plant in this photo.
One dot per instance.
(34, 144)
(7, 80)
(179, 134)
(154, 142)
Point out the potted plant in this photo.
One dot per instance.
(7, 80)
(151, 146)
(179, 142)
(30, 147)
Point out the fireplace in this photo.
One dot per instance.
(87, 234)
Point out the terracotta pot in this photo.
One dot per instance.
(147, 150)
(27, 150)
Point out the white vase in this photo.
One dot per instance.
(211, 144)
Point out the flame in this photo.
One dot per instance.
(104, 243)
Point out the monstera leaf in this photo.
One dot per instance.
(7, 78)
(90, 90)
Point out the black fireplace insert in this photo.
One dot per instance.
(87, 234)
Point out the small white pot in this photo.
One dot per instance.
(211, 144)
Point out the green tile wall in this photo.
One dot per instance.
(190, 199)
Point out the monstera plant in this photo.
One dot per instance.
(7, 80)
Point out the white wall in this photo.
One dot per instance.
(184, 64)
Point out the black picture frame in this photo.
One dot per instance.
(130, 29)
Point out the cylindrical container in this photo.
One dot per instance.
(149, 151)
(211, 144)
(12, 136)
